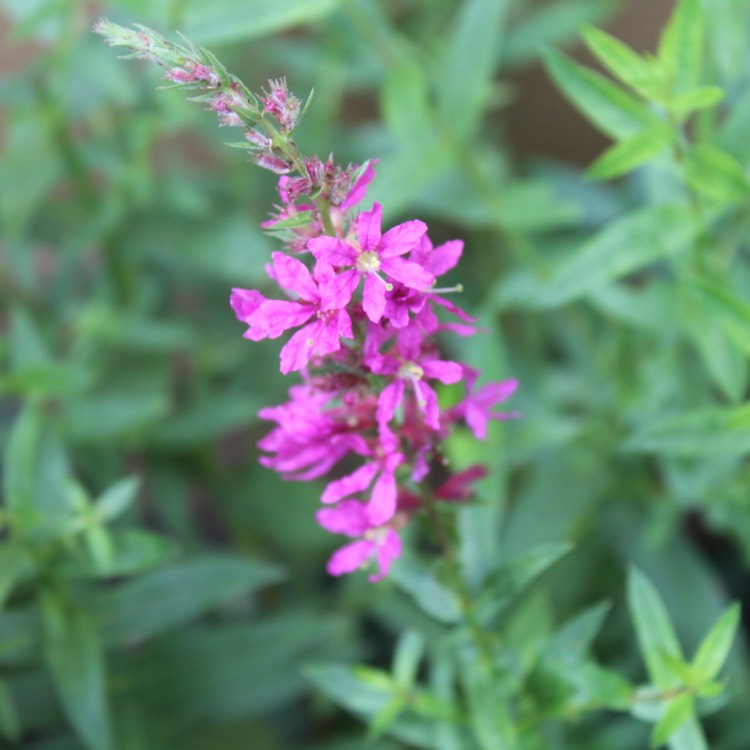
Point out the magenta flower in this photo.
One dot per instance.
(379, 544)
(409, 364)
(374, 256)
(270, 318)
(380, 471)
(313, 432)
(476, 408)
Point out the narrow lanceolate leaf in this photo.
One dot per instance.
(21, 460)
(701, 97)
(622, 61)
(717, 432)
(469, 64)
(677, 712)
(161, 601)
(11, 563)
(681, 45)
(116, 499)
(75, 659)
(406, 106)
(409, 652)
(724, 305)
(714, 649)
(688, 736)
(656, 636)
(10, 723)
(612, 109)
(716, 174)
(630, 153)
(625, 246)
(235, 20)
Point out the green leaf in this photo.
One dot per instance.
(681, 45)
(622, 61)
(678, 711)
(599, 687)
(405, 105)
(300, 219)
(551, 24)
(111, 415)
(26, 346)
(489, 717)
(207, 420)
(689, 736)
(466, 75)
(609, 107)
(409, 652)
(721, 304)
(515, 576)
(162, 600)
(716, 174)
(346, 686)
(701, 97)
(74, 656)
(656, 636)
(571, 643)
(427, 592)
(20, 460)
(625, 246)
(129, 552)
(704, 432)
(383, 720)
(35, 477)
(714, 649)
(12, 558)
(630, 153)
(10, 723)
(225, 21)
(116, 499)
(229, 671)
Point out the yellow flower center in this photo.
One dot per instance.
(368, 262)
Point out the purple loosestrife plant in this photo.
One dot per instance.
(361, 304)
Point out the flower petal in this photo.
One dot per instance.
(244, 302)
(445, 256)
(402, 238)
(348, 517)
(382, 503)
(355, 482)
(335, 293)
(408, 273)
(276, 316)
(389, 401)
(388, 550)
(368, 227)
(373, 298)
(350, 558)
(442, 370)
(292, 274)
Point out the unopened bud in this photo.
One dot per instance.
(272, 163)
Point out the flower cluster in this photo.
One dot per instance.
(361, 305)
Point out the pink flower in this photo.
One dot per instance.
(409, 364)
(379, 544)
(282, 105)
(380, 471)
(313, 431)
(270, 318)
(358, 190)
(374, 256)
(476, 407)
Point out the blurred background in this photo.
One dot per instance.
(163, 589)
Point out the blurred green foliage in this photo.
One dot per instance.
(161, 590)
